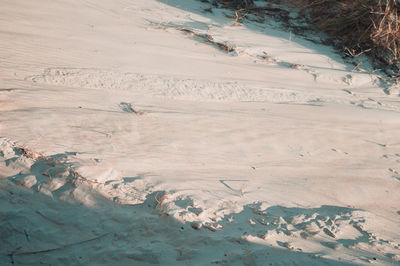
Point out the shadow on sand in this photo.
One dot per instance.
(217, 16)
(39, 229)
(51, 215)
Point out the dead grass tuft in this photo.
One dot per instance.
(358, 26)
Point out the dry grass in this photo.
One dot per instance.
(386, 29)
(237, 3)
(356, 27)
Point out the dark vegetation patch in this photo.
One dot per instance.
(354, 27)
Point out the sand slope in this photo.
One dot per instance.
(127, 137)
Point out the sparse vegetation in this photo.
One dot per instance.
(237, 3)
(356, 27)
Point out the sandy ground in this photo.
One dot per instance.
(128, 136)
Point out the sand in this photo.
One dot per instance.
(128, 135)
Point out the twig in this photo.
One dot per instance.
(357, 66)
(55, 249)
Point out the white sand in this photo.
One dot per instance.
(276, 153)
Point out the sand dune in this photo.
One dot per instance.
(129, 135)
